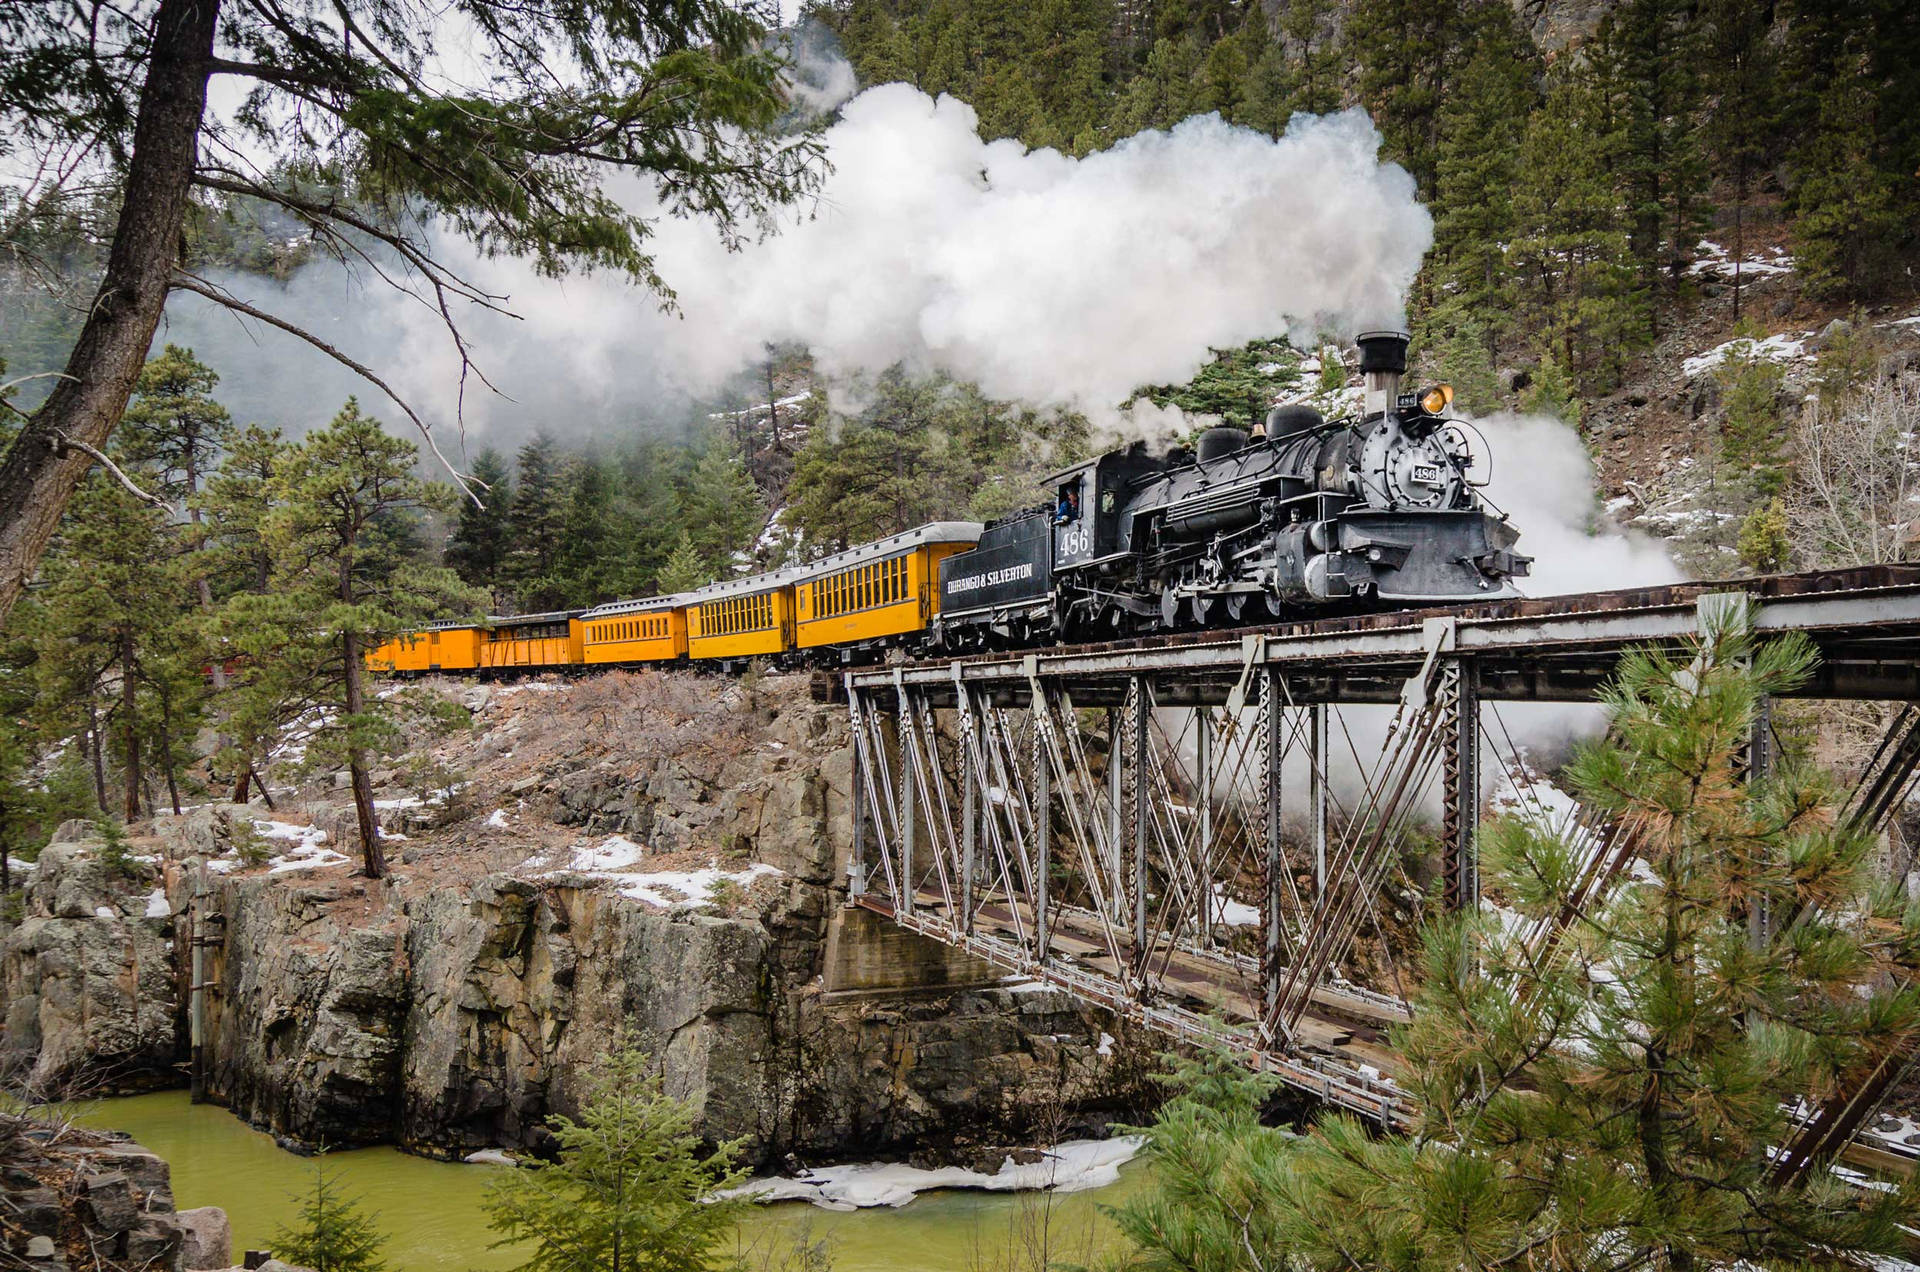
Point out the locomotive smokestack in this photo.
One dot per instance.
(1383, 360)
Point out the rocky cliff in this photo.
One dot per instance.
(676, 881)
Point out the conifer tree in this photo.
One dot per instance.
(341, 585)
(1752, 431)
(1572, 258)
(1616, 1105)
(539, 499)
(235, 558)
(109, 617)
(588, 559)
(1550, 392)
(334, 1232)
(1481, 123)
(632, 1189)
(482, 539)
(686, 569)
(1647, 55)
(723, 508)
(1742, 129)
(1404, 50)
(1848, 229)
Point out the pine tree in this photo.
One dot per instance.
(1752, 431)
(1404, 50)
(723, 509)
(1647, 56)
(1848, 230)
(483, 538)
(334, 1233)
(342, 583)
(632, 1189)
(686, 569)
(173, 425)
(109, 617)
(1743, 127)
(1550, 392)
(1617, 1105)
(535, 522)
(1571, 255)
(236, 559)
(586, 565)
(1481, 124)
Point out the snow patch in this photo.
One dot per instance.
(304, 851)
(1715, 259)
(609, 861)
(1074, 1166)
(1231, 913)
(105, 912)
(1781, 348)
(157, 907)
(498, 819)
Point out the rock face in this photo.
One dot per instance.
(452, 1006)
(457, 1021)
(88, 976)
(83, 1200)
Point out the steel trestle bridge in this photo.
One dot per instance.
(1191, 831)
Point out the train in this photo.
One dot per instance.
(1296, 517)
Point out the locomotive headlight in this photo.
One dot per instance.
(1437, 399)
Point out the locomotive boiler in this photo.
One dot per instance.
(1303, 516)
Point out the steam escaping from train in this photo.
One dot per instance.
(1046, 279)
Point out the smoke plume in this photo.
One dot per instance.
(1046, 279)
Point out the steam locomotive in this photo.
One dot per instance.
(1299, 516)
(1302, 516)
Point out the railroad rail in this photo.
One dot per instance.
(1200, 831)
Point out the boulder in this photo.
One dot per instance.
(206, 1238)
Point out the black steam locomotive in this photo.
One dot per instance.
(1301, 517)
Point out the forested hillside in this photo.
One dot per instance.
(1574, 157)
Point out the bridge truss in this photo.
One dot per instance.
(1204, 833)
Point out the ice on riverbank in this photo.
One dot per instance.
(1074, 1166)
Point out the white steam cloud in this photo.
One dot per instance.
(1046, 279)
(1538, 471)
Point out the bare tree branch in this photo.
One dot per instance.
(62, 442)
(201, 287)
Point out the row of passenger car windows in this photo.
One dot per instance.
(737, 614)
(537, 631)
(654, 628)
(881, 583)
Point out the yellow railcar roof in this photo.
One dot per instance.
(919, 536)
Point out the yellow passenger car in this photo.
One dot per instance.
(878, 592)
(531, 641)
(744, 618)
(651, 630)
(441, 647)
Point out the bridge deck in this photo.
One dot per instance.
(1864, 621)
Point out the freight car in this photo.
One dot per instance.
(1299, 517)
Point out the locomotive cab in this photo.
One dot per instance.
(1091, 515)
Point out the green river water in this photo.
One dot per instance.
(433, 1215)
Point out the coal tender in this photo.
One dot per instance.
(1300, 518)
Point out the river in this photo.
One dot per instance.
(433, 1215)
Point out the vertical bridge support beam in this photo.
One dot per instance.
(1140, 726)
(1460, 700)
(1272, 761)
(1041, 715)
(903, 731)
(1317, 794)
(857, 791)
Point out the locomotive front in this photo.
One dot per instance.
(1301, 517)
